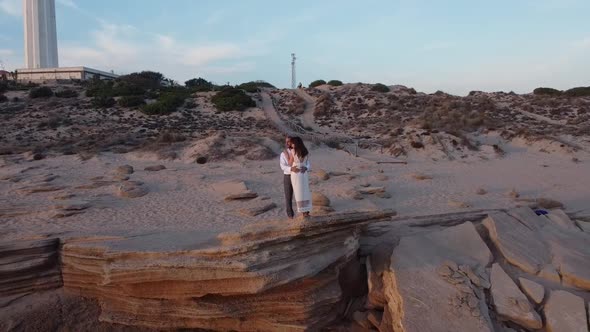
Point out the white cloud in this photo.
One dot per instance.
(582, 43)
(124, 48)
(11, 7)
(68, 3)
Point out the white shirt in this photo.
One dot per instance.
(284, 163)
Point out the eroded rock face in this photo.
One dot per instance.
(268, 277)
(510, 302)
(424, 286)
(28, 267)
(535, 291)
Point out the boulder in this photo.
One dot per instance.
(131, 189)
(424, 288)
(154, 168)
(565, 312)
(322, 175)
(510, 302)
(319, 199)
(535, 291)
(125, 169)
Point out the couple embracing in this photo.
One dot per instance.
(295, 165)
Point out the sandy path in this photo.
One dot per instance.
(308, 118)
(272, 114)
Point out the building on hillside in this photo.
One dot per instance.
(41, 75)
(6, 75)
(41, 56)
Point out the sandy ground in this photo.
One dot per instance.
(184, 195)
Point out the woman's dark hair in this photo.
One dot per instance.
(299, 147)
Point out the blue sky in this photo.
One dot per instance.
(453, 45)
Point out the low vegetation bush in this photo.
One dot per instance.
(3, 86)
(316, 83)
(131, 101)
(380, 88)
(231, 99)
(41, 92)
(3, 98)
(145, 79)
(167, 103)
(66, 94)
(546, 92)
(578, 92)
(254, 86)
(335, 83)
(103, 101)
(199, 84)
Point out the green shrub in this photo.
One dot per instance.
(254, 86)
(578, 92)
(66, 94)
(3, 86)
(231, 99)
(131, 101)
(546, 92)
(41, 92)
(316, 83)
(199, 84)
(127, 89)
(335, 83)
(103, 101)
(380, 88)
(98, 87)
(167, 103)
(145, 79)
(3, 98)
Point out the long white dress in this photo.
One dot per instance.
(300, 182)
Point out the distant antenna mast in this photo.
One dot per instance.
(293, 78)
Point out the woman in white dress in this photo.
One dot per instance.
(300, 166)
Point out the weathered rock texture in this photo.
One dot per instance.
(540, 245)
(272, 276)
(425, 287)
(28, 266)
(565, 312)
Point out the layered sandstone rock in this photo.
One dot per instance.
(28, 266)
(270, 276)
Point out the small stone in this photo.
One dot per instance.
(481, 191)
(131, 189)
(154, 168)
(371, 190)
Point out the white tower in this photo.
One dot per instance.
(40, 34)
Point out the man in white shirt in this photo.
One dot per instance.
(287, 169)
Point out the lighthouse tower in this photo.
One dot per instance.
(40, 34)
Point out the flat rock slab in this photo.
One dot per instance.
(519, 244)
(241, 197)
(154, 168)
(425, 289)
(41, 188)
(510, 302)
(258, 209)
(535, 291)
(565, 312)
(560, 219)
(371, 190)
